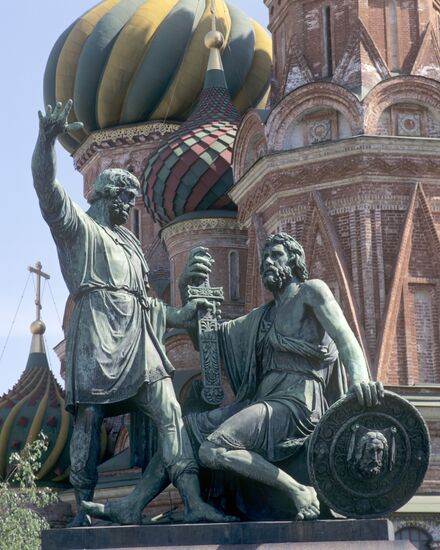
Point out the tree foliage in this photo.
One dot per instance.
(21, 500)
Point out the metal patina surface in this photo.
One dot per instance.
(367, 463)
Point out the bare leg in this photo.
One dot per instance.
(174, 457)
(253, 466)
(128, 510)
(196, 510)
(177, 453)
(84, 457)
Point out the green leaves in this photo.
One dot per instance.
(21, 500)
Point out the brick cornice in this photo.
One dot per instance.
(335, 161)
(123, 135)
(200, 224)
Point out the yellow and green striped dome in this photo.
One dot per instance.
(131, 61)
(36, 404)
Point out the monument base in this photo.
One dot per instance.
(377, 534)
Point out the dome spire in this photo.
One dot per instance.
(38, 328)
(214, 40)
(36, 404)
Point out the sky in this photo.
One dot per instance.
(29, 31)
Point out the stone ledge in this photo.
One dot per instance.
(353, 545)
(262, 534)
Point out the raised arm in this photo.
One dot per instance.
(331, 317)
(52, 124)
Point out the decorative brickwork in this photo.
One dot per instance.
(352, 170)
(306, 100)
(251, 134)
(354, 43)
(126, 135)
(413, 90)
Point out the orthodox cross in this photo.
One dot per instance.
(213, 14)
(39, 273)
(212, 392)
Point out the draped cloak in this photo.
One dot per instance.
(114, 339)
(287, 375)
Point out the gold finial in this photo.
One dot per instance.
(214, 38)
(38, 327)
(213, 14)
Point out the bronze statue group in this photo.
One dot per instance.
(287, 361)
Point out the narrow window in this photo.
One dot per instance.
(424, 321)
(172, 283)
(393, 36)
(327, 35)
(136, 224)
(234, 276)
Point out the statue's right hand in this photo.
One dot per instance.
(197, 269)
(54, 122)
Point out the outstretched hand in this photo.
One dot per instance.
(54, 122)
(368, 393)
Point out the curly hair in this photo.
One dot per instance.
(297, 257)
(112, 181)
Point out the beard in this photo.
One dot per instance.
(277, 278)
(370, 468)
(118, 212)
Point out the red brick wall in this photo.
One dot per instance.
(393, 35)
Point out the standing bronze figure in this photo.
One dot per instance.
(115, 359)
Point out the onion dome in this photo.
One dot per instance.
(191, 170)
(132, 61)
(36, 404)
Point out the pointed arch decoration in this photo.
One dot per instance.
(251, 268)
(392, 307)
(319, 217)
(418, 201)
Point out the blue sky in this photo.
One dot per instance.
(29, 31)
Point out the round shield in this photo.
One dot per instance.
(368, 462)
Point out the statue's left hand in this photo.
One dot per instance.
(54, 122)
(368, 393)
(189, 311)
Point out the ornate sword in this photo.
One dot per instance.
(212, 392)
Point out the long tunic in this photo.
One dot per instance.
(114, 340)
(282, 386)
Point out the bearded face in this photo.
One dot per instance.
(276, 272)
(371, 461)
(276, 277)
(120, 205)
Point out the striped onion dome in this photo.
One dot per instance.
(36, 404)
(191, 170)
(132, 61)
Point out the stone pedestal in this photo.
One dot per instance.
(316, 535)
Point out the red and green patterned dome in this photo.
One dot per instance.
(191, 170)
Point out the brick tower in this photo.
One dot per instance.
(347, 161)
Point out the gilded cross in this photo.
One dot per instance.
(39, 273)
